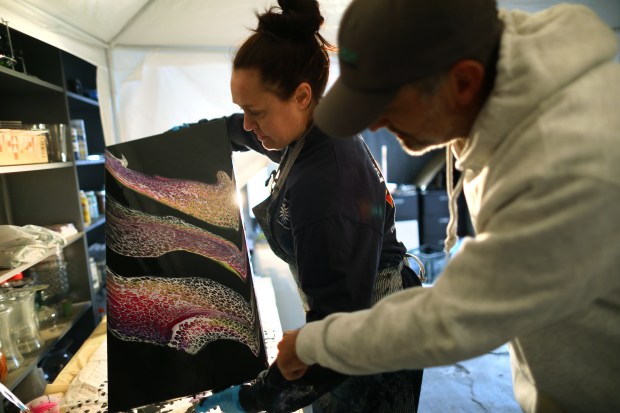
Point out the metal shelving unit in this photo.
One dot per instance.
(48, 193)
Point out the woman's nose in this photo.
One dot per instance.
(248, 123)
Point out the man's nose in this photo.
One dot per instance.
(379, 123)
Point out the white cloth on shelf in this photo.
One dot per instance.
(21, 245)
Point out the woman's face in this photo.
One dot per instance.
(276, 123)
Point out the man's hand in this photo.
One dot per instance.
(227, 400)
(289, 364)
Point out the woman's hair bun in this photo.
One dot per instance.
(294, 19)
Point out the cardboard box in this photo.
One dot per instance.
(18, 147)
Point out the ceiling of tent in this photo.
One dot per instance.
(206, 23)
(166, 23)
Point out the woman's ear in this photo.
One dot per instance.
(303, 95)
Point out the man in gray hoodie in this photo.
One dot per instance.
(527, 108)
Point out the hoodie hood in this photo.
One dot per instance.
(539, 55)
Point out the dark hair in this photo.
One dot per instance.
(287, 49)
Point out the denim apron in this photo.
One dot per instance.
(395, 392)
(264, 211)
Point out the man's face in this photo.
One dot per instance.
(420, 121)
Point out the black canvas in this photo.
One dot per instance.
(182, 315)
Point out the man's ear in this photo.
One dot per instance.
(303, 95)
(466, 81)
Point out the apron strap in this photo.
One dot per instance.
(422, 273)
(290, 157)
(372, 158)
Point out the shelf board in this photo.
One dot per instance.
(5, 274)
(72, 238)
(51, 337)
(99, 161)
(83, 99)
(12, 81)
(34, 167)
(96, 223)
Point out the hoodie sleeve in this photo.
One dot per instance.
(529, 269)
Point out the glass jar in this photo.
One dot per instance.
(58, 132)
(14, 358)
(24, 321)
(52, 272)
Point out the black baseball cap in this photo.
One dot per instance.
(385, 44)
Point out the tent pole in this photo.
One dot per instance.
(113, 97)
(130, 22)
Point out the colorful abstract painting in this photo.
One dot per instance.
(182, 315)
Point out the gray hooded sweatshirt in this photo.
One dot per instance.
(541, 175)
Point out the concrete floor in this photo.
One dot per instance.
(479, 385)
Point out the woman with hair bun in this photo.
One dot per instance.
(329, 214)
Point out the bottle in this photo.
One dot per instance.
(92, 204)
(94, 274)
(101, 201)
(80, 130)
(75, 144)
(85, 207)
(83, 147)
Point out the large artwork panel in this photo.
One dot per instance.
(182, 315)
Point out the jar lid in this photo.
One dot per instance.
(16, 277)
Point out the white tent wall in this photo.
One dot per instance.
(156, 90)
